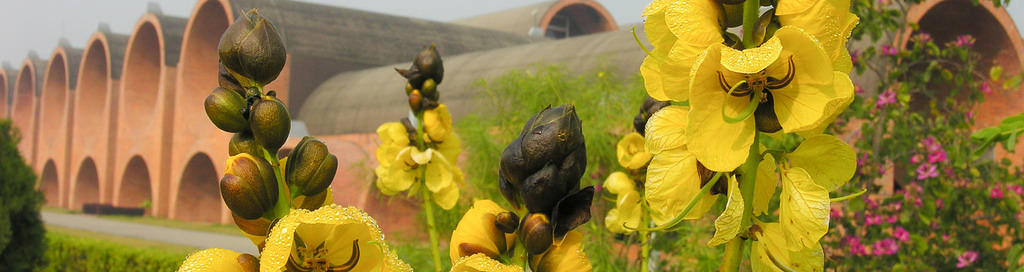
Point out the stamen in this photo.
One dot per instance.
(790, 74)
(352, 261)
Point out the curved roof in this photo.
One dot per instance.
(115, 44)
(584, 17)
(72, 56)
(359, 101)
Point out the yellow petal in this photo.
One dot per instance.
(727, 225)
(655, 7)
(751, 60)
(438, 123)
(481, 263)
(631, 152)
(786, 7)
(830, 162)
(337, 231)
(421, 157)
(439, 173)
(843, 88)
(477, 228)
(694, 22)
(619, 183)
(764, 188)
(829, 22)
(666, 129)
(719, 145)
(450, 148)
(802, 105)
(629, 207)
(447, 196)
(393, 138)
(769, 253)
(398, 178)
(217, 259)
(567, 256)
(804, 209)
(672, 182)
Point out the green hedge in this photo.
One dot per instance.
(73, 253)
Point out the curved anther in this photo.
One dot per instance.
(779, 83)
(352, 261)
(740, 90)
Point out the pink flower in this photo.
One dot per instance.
(863, 159)
(901, 234)
(871, 203)
(970, 115)
(858, 90)
(855, 247)
(931, 144)
(996, 193)
(939, 204)
(892, 219)
(945, 237)
(965, 40)
(872, 220)
(966, 259)
(1016, 189)
(985, 88)
(927, 170)
(886, 246)
(937, 156)
(888, 50)
(854, 56)
(885, 98)
(917, 158)
(835, 214)
(923, 38)
(896, 206)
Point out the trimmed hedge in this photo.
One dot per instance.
(21, 229)
(73, 253)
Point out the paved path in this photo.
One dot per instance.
(197, 239)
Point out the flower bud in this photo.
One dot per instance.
(536, 233)
(227, 81)
(507, 222)
(429, 89)
(546, 161)
(438, 123)
(415, 100)
(270, 123)
(248, 187)
(252, 50)
(310, 167)
(648, 109)
(244, 142)
(427, 65)
(224, 108)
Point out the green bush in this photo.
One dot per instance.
(73, 253)
(21, 229)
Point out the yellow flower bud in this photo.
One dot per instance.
(438, 123)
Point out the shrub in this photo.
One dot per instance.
(21, 229)
(73, 253)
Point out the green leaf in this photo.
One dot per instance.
(996, 72)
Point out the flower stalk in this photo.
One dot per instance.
(645, 242)
(428, 206)
(747, 179)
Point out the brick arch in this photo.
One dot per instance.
(54, 112)
(3, 94)
(135, 185)
(587, 16)
(85, 188)
(23, 107)
(49, 184)
(141, 116)
(91, 125)
(197, 194)
(997, 41)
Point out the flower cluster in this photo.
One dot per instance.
(284, 206)
(628, 186)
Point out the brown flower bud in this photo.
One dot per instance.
(310, 167)
(507, 222)
(536, 233)
(224, 108)
(244, 142)
(270, 123)
(252, 50)
(248, 187)
(427, 65)
(546, 161)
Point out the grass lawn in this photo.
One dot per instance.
(163, 222)
(130, 242)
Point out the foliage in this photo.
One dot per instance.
(21, 229)
(73, 253)
(947, 209)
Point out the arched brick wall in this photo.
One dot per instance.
(86, 185)
(3, 94)
(49, 182)
(197, 194)
(91, 118)
(135, 185)
(23, 107)
(589, 16)
(54, 98)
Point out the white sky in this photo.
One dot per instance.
(38, 24)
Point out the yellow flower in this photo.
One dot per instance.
(679, 31)
(330, 238)
(627, 210)
(438, 123)
(788, 79)
(770, 253)
(828, 21)
(217, 259)
(399, 165)
(566, 255)
(631, 151)
(829, 161)
(674, 176)
(481, 263)
(727, 225)
(477, 233)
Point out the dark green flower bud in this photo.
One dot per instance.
(270, 123)
(225, 108)
(546, 161)
(427, 65)
(244, 142)
(310, 167)
(252, 50)
(248, 187)
(227, 81)
(536, 233)
(507, 222)
(429, 89)
(648, 109)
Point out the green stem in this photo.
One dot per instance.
(432, 228)
(747, 178)
(751, 8)
(284, 201)
(645, 251)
